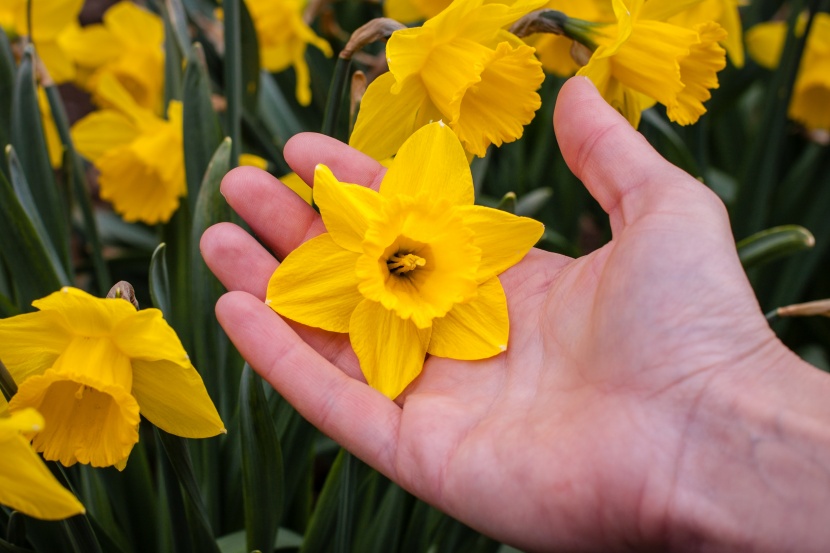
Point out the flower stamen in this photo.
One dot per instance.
(402, 264)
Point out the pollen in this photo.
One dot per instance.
(401, 264)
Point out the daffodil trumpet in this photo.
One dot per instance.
(409, 270)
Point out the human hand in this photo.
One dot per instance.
(582, 435)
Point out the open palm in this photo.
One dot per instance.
(580, 426)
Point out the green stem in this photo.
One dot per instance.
(233, 76)
(7, 384)
(335, 98)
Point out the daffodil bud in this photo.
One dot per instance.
(123, 290)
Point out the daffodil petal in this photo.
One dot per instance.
(26, 485)
(297, 185)
(147, 336)
(386, 120)
(90, 46)
(30, 343)
(431, 163)
(503, 238)
(175, 399)
(132, 23)
(316, 285)
(346, 208)
(61, 69)
(101, 131)
(83, 313)
(391, 350)
(474, 330)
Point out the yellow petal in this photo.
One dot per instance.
(503, 238)
(405, 11)
(252, 160)
(431, 163)
(765, 42)
(83, 314)
(474, 330)
(297, 185)
(407, 52)
(174, 398)
(391, 350)
(30, 343)
(386, 120)
(26, 485)
(346, 208)
(49, 17)
(146, 335)
(60, 67)
(131, 23)
(90, 46)
(101, 131)
(484, 117)
(316, 285)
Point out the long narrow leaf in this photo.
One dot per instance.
(262, 468)
(23, 251)
(27, 138)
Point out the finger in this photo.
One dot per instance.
(350, 412)
(615, 162)
(304, 151)
(276, 214)
(226, 248)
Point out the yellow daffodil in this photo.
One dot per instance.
(90, 365)
(409, 270)
(129, 45)
(51, 20)
(140, 156)
(555, 51)
(642, 59)
(26, 485)
(283, 37)
(460, 67)
(723, 12)
(810, 103)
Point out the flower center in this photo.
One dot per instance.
(401, 263)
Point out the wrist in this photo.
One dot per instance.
(754, 474)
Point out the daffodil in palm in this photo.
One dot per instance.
(140, 156)
(409, 270)
(725, 13)
(460, 67)
(90, 366)
(129, 46)
(810, 102)
(26, 485)
(642, 59)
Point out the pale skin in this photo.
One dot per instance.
(643, 402)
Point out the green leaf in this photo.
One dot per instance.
(23, 250)
(202, 132)
(250, 59)
(275, 111)
(27, 138)
(507, 203)
(210, 343)
(27, 202)
(775, 243)
(179, 456)
(173, 59)
(262, 468)
(7, 71)
(532, 203)
(159, 280)
(234, 85)
(388, 526)
(178, 25)
(319, 534)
